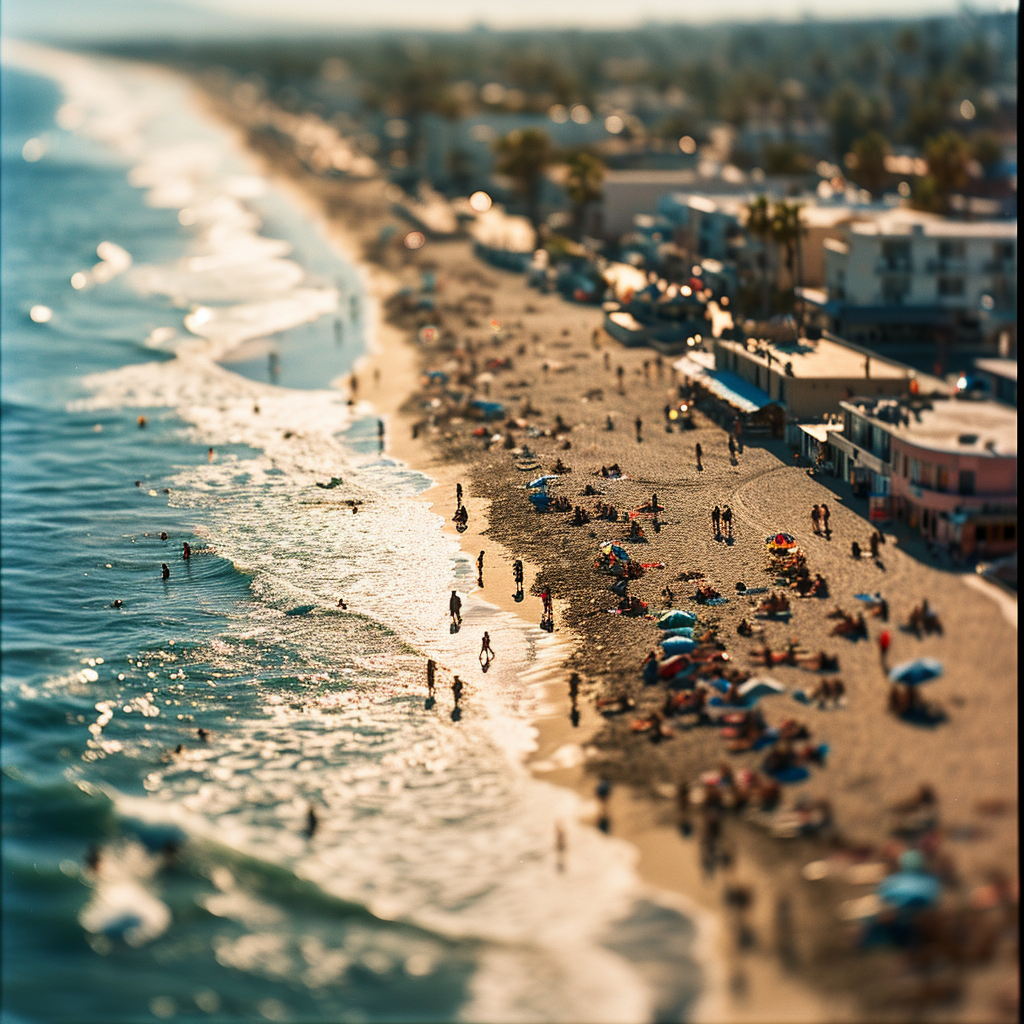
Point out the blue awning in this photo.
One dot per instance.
(726, 385)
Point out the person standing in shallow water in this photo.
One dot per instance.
(486, 653)
(455, 608)
(431, 673)
(165, 573)
(457, 690)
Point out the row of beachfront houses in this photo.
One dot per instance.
(932, 456)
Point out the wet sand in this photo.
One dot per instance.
(874, 759)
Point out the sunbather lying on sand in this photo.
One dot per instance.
(828, 691)
(773, 604)
(615, 705)
(820, 662)
(654, 725)
(849, 626)
(923, 620)
(705, 594)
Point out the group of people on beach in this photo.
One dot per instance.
(721, 518)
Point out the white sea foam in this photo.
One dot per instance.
(426, 819)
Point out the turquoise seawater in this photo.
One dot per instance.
(148, 874)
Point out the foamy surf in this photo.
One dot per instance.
(424, 818)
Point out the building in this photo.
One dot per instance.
(909, 276)
(705, 226)
(809, 378)
(946, 467)
(628, 193)
(1000, 375)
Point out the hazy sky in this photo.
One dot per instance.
(579, 13)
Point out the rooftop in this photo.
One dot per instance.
(822, 359)
(908, 222)
(1005, 368)
(988, 429)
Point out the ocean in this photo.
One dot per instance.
(150, 272)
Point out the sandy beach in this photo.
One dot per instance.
(789, 955)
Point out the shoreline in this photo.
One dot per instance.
(666, 861)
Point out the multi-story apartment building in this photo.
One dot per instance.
(910, 276)
(947, 467)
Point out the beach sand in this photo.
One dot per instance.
(802, 971)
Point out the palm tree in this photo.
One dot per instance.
(759, 224)
(786, 230)
(583, 184)
(523, 156)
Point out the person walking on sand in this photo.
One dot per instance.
(732, 448)
(431, 672)
(559, 846)
(700, 456)
(485, 649)
(458, 495)
(639, 429)
(884, 639)
(620, 372)
(480, 569)
(574, 688)
(727, 520)
(455, 608)
(825, 515)
(716, 520)
(816, 519)
(457, 690)
(873, 544)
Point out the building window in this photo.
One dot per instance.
(981, 532)
(951, 286)
(952, 250)
(966, 481)
(915, 472)
(943, 481)
(1003, 252)
(1010, 531)
(895, 288)
(896, 256)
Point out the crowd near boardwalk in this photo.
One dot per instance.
(782, 655)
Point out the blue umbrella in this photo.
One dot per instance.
(542, 481)
(920, 670)
(907, 889)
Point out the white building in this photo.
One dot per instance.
(894, 276)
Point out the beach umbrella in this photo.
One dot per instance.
(542, 481)
(438, 375)
(908, 889)
(676, 618)
(869, 598)
(920, 670)
(619, 552)
(760, 688)
(781, 540)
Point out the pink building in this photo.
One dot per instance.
(954, 475)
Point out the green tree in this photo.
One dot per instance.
(759, 224)
(948, 156)
(987, 149)
(868, 166)
(786, 230)
(583, 184)
(524, 156)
